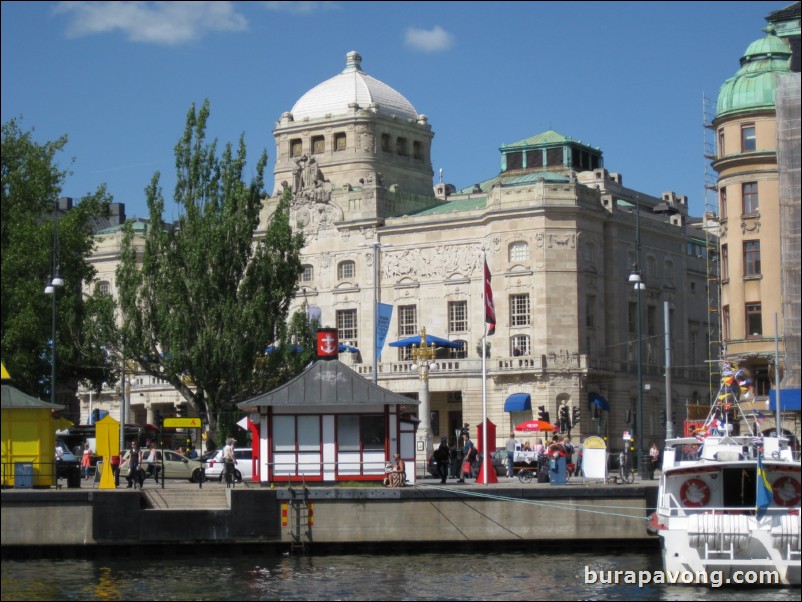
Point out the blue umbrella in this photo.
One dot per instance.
(438, 342)
(343, 348)
(599, 401)
(272, 348)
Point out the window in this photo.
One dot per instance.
(725, 322)
(346, 270)
(725, 262)
(339, 142)
(754, 320)
(590, 311)
(748, 141)
(554, 157)
(407, 320)
(296, 148)
(104, 288)
(519, 310)
(519, 251)
(458, 316)
(722, 203)
(308, 274)
(458, 354)
(385, 141)
(514, 161)
(519, 345)
(632, 317)
(347, 330)
(417, 150)
(651, 320)
(752, 258)
(750, 201)
(534, 158)
(401, 147)
(318, 145)
(721, 149)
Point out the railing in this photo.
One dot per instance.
(23, 474)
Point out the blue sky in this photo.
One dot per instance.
(629, 77)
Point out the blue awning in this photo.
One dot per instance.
(518, 402)
(790, 400)
(599, 401)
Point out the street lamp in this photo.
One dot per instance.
(636, 280)
(56, 282)
(376, 246)
(424, 360)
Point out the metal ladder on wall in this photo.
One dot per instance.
(299, 521)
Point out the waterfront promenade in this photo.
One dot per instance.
(300, 517)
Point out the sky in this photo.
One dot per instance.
(117, 78)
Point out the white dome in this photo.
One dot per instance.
(334, 96)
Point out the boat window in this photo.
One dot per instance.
(738, 487)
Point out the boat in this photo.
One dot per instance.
(730, 502)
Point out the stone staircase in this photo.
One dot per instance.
(185, 499)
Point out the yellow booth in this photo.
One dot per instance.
(29, 440)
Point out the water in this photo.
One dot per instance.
(443, 576)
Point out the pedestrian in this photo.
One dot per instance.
(135, 475)
(442, 455)
(512, 444)
(570, 467)
(468, 456)
(654, 454)
(86, 461)
(153, 463)
(398, 476)
(229, 460)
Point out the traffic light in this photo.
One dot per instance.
(628, 417)
(465, 432)
(543, 414)
(575, 416)
(662, 417)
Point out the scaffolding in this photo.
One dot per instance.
(787, 102)
(711, 224)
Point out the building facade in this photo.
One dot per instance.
(559, 233)
(759, 216)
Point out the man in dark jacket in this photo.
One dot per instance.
(441, 456)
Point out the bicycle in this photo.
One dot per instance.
(626, 468)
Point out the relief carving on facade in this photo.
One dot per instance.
(562, 240)
(312, 208)
(431, 262)
(755, 227)
(563, 360)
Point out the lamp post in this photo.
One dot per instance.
(636, 279)
(56, 282)
(376, 246)
(424, 358)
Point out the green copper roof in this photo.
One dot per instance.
(477, 202)
(754, 85)
(545, 138)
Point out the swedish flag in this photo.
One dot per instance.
(764, 492)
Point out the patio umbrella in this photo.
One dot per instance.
(438, 342)
(535, 425)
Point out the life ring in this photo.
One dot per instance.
(694, 493)
(787, 491)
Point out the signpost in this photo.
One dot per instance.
(180, 423)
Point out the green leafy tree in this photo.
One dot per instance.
(201, 299)
(31, 185)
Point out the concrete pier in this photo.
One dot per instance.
(299, 516)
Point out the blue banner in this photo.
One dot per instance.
(384, 312)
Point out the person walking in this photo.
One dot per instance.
(512, 444)
(442, 455)
(468, 454)
(136, 475)
(229, 460)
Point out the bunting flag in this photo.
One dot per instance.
(490, 309)
(764, 492)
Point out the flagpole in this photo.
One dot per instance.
(485, 454)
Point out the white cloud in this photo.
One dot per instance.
(169, 23)
(300, 7)
(428, 40)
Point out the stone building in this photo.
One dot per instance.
(558, 232)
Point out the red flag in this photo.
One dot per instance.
(490, 308)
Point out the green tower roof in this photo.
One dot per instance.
(754, 85)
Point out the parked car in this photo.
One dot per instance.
(69, 461)
(176, 466)
(243, 469)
